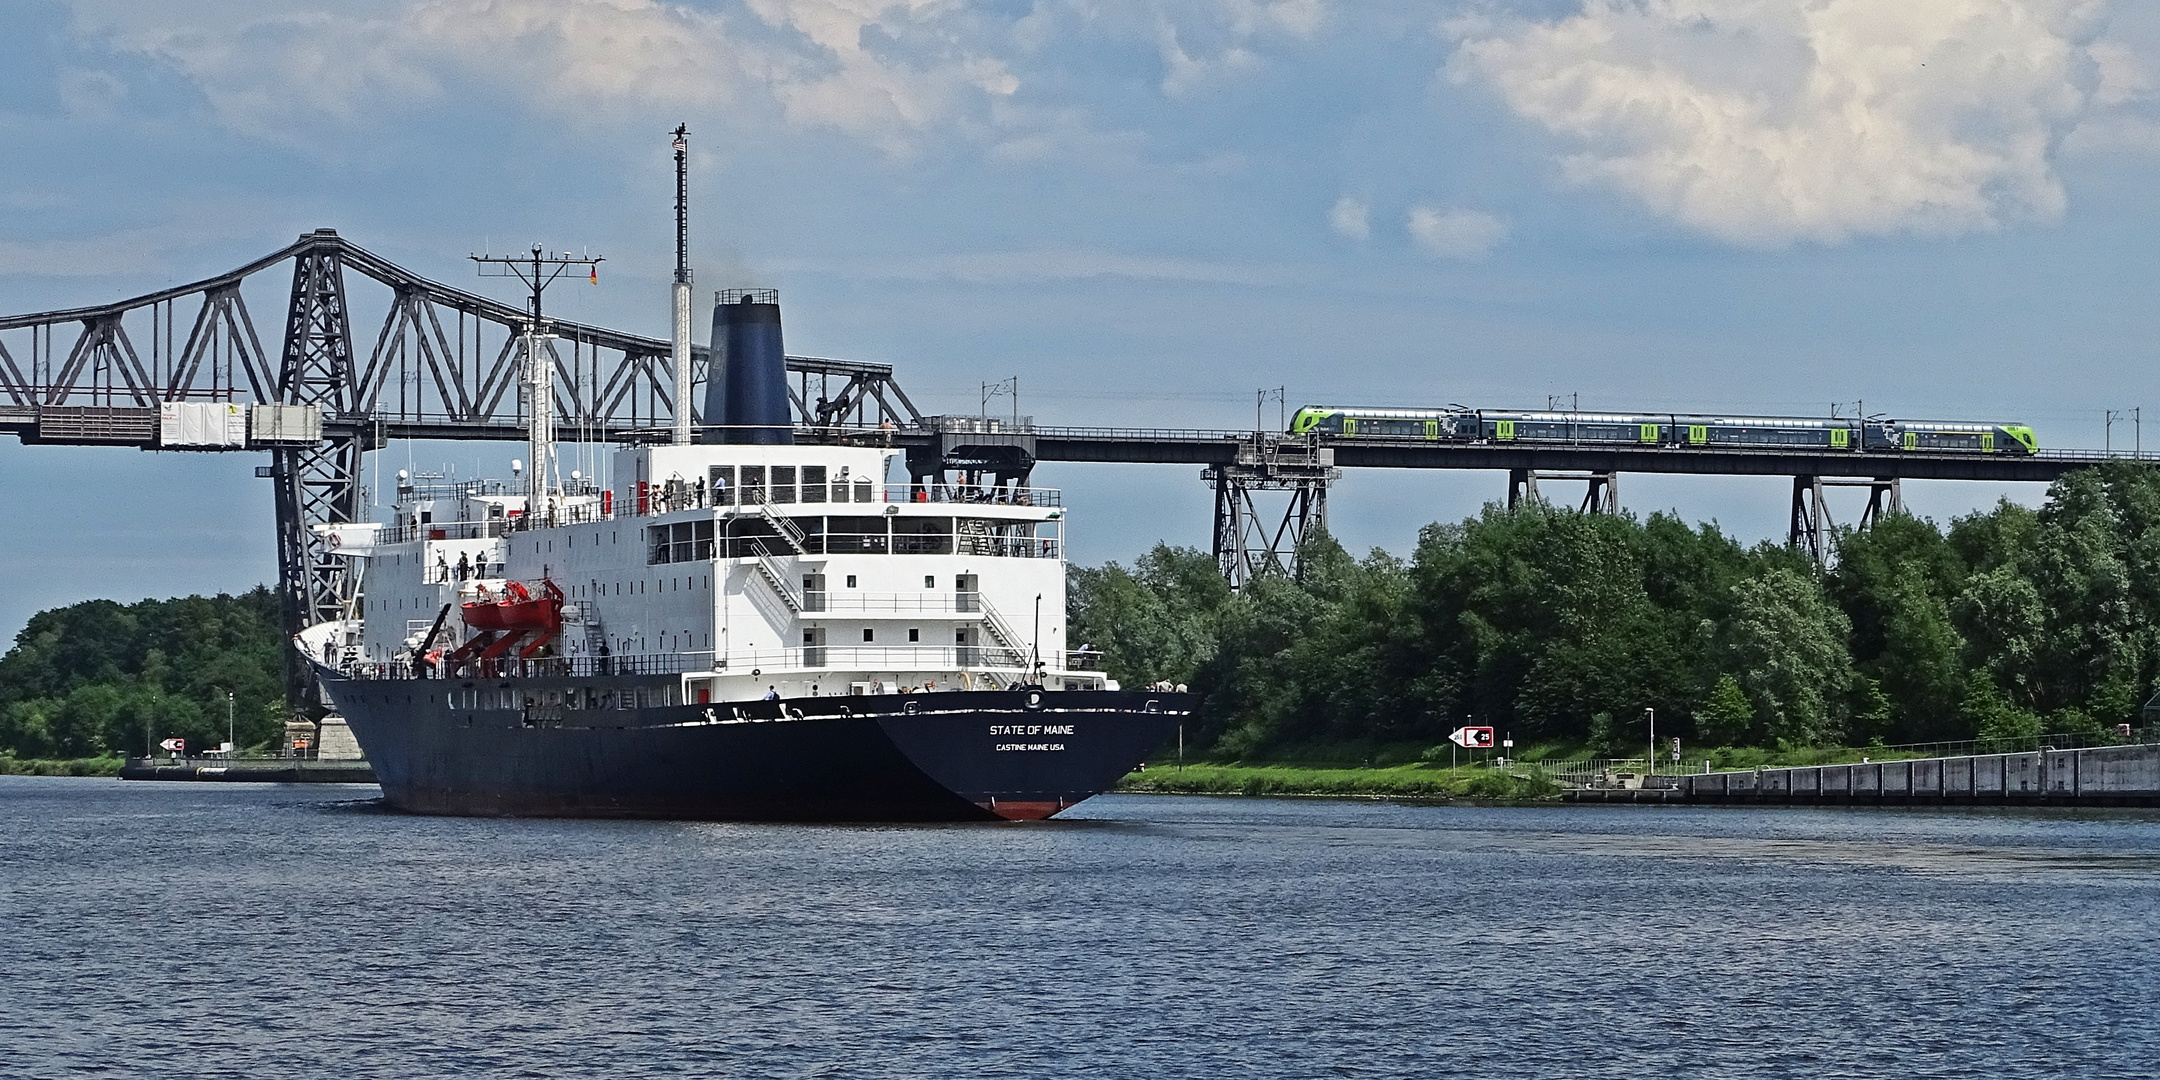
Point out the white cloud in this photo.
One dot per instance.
(1456, 234)
(1351, 217)
(894, 73)
(1766, 122)
(883, 70)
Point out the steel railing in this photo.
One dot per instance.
(864, 658)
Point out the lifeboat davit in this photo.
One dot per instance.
(516, 609)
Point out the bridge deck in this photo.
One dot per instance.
(1157, 446)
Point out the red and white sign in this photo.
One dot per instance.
(1475, 738)
(174, 745)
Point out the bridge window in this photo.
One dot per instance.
(783, 483)
(922, 536)
(813, 483)
(855, 536)
(685, 541)
(720, 480)
(753, 483)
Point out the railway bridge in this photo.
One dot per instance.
(423, 360)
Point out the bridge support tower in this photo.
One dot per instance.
(316, 485)
(1814, 532)
(1250, 543)
(1601, 496)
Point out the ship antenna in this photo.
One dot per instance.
(538, 270)
(682, 284)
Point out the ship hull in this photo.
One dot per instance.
(955, 756)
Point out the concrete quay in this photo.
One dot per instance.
(250, 770)
(2097, 776)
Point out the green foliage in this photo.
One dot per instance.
(1410, 783)
(94, 766)
(1789, 645)
(1561, 628)
(1728, 717)
(100, 677)
(1991, 717)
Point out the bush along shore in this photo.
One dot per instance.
(90, 766)
(1526, 783)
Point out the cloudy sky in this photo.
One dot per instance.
(1144, 209)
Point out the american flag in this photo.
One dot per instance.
(681, 143)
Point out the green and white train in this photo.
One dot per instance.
(1462, 425)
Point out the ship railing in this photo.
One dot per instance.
(491, 529)
(838, 658)
(926, 603)
(991, 494)
(1006, 547)
(872, 658)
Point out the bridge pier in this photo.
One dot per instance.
(1812, 529)
(1249, 543)
(1602, 496)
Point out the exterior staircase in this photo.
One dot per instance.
(790, 533)
(1008, 651)
(775, 576)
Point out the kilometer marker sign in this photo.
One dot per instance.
(1474, 738)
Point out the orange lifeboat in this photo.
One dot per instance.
(516, 609)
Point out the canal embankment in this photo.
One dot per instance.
(2046, 776)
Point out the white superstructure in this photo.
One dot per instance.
(747, 570)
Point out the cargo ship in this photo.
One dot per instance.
(749, 622)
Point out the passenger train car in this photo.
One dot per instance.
(1458, 424)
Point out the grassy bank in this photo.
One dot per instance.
(1405, 771)
(94, 766)
(1399, 782)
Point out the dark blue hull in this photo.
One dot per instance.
(955, 756)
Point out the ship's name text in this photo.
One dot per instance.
(1031, 729)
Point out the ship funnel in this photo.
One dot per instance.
(746, 388)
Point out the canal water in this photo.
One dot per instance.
(244, 930)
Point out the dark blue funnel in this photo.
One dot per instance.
(746, 388)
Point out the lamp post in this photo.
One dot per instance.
(1652, 714)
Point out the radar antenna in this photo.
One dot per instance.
(539, 270)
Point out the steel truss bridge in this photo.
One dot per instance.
(444, 363)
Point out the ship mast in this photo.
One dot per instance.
(538, 271)
(682, 285)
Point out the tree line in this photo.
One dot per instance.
(99, 677)
(1561, 626)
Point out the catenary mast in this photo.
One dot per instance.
(682, 285)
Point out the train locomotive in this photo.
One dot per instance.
(1466, 425)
